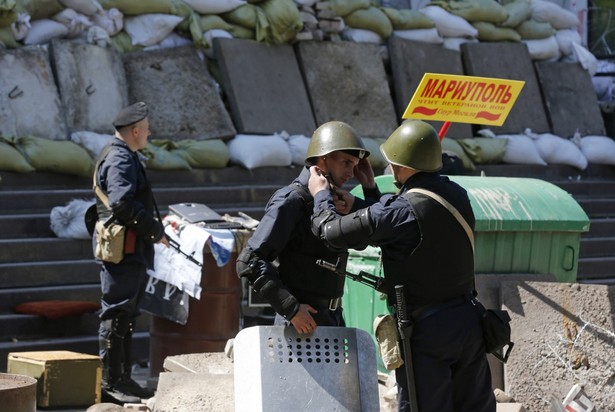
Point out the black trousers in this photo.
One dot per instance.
(450, 364)
(122, 287)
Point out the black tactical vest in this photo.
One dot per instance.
(441, 267)
(298, 269)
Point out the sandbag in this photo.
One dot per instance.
(136, 8)
(162, 159)
(518, 11)
(372, 19)
(407, 19)
(76, 23)
(213, 21)
(598, 149)
(45, 30)
(520, 149)
(244, 15)
(565, 38)
(11, 160)
(557, 150)
(344, 7)
(69, 221)
(112, 21)
(201, 154)
(490, 32)
(7, 39)
(298, 145)
(92, 142)
(475, 10)
(241, 32)
(452, 145)
(149, 29)
(122, 42)
(423, 35)
(7, 13)
(58, 156)
(448, 24)
(454, 43)
(253, 151)
(361, 36)
(85, 7)
(583, 56)
(554, 14)
(534, 30)
(39, 9)
(483, 150)
(284, 21)
(214, 6)
(543, 49)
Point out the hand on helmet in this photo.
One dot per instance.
(364, 173)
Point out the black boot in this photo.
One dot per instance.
(128, 383)
(111, 354)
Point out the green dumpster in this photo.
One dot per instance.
(522, 226)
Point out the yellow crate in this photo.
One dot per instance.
(65, 378)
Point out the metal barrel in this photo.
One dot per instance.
(212, 320)
(17, 393)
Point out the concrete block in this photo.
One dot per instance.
(194, 392)
(346, 81)
(565, 86)
(409, 61)
(206, 362)
(180, 92)
(265, 90)
(92, 85)
(29, 99)
(513, 62)
(563, 335)
(510, 407)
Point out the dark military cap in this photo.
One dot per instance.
(130, 115)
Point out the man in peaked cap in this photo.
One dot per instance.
(124, 196)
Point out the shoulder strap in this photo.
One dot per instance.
(449, 207)
(304, 193)
(101, 195)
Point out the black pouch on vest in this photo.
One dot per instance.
(496, 331)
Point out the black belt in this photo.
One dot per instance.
(431, 309)
(331, 304)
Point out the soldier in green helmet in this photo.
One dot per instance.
(301, 292)
(427, 251)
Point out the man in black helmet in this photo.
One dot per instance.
(301, 292)
(428, 251)
(124, 196)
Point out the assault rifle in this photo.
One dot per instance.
(363, 277)
(191, 258)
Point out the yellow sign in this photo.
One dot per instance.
(463, 99)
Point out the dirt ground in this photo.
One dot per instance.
(563, 335)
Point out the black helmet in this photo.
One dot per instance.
(333, 136)
(414, 144)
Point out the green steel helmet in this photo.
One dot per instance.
(414, 144)
(333, 136)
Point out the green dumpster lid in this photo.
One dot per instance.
(513, 204)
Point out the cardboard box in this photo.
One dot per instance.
(64, 378)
